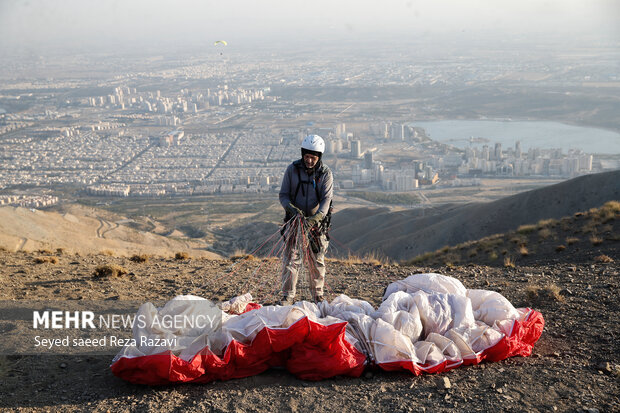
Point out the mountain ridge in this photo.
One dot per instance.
(405, 234)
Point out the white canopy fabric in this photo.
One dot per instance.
(426, 322)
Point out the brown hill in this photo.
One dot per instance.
(405, 234)
(85, 231)
(588, 236)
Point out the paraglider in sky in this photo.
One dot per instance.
(220, 43)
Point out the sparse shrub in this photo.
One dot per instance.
(420, 258)
(42, 260)
(607, 215)
(609, 211)
(589, 227)
(107, 252)
(523, 251)
(546, 223)
(613, 206)
(472, 253)
(607, 229)
(567, 224)
(443, 249)
(541, 295)
(509, 262)
(373, 258)
(462, 246)
(489, 243)
(578, 214)
(526, 229)
(139, 258)
(493, 256)
(60, 251)
(571, 240)
(241, 255)
(246, 257)
(518, 240)
(44, 251)
(605, 259)
(351, 260)
(545, 233)
(181, 255)
(560, 248)
(504, 252)
(110, 270)
(451, 259)
(596, 240)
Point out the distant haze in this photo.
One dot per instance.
(40, 25)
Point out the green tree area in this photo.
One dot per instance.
(387, 198)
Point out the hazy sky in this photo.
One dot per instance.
(36, 24)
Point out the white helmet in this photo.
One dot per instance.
(313, 143)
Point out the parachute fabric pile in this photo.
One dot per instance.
(425, 323)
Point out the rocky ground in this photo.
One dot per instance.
(575, 365)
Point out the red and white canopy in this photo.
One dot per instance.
(426, 323)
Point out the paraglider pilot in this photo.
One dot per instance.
(306, 193)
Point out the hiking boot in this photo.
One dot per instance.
(288, 300)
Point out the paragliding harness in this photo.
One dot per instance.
(323, 227)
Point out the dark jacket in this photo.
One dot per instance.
(306, 199)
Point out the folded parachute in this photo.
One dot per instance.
(426, 323)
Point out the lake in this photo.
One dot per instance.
(532, 134)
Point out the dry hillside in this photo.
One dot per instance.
(583, 236)
(85, 231)
(406, 234)
(575, 365)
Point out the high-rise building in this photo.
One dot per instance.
(585, 162)
(329, 146)
(338, 145)
(428, 172)
(368, 160)
(498, 152)
(341, 131)
(518, 150)
(356, 149)
(418, 166)
(398, 131)
(485, 153)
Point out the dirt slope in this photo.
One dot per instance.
(78, 231)
(574, 366)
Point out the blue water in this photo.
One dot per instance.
(532, 134)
